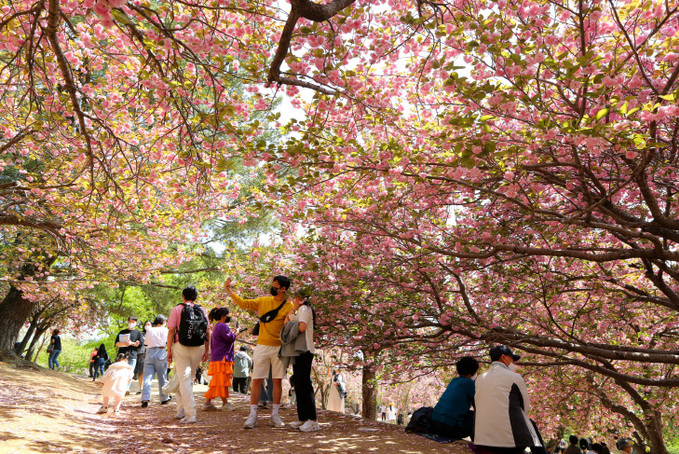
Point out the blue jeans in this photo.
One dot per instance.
(156, 363)
(99, 364)
(52, 360)
(132, 362)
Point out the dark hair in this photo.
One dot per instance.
(596, 447)
(584, 444)
(573, 440)
(131, 317)
(283, 281)
(101, 351)
(243, 348)
(55, 332)
(121, 357)
(217, 313)
(159, 320)
(190, 293)
(467, 366)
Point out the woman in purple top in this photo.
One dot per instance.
(221, 359)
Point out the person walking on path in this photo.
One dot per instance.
(141, 358)
(301, 348)
(100, 361)
(272, 311)
(92, 355)
(55, 346)
(130, 341)
(115, 382)
(242, 365)
(156, 360)
(221, 359)
(188, 325)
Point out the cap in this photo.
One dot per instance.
(500, 350)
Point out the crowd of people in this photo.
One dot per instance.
(491, 409)
(191, 336)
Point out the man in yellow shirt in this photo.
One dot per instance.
(265, 355)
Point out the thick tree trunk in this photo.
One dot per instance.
(655, 433)
(14, 311)
(369, 393)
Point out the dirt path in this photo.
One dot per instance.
(43, 411)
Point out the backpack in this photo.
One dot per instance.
(420, 421)
(192, 326)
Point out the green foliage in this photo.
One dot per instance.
(75, 355)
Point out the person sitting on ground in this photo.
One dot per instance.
(573, 447)
(452, 416)
(502, 404)
(115, 382)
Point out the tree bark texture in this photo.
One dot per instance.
(14, 311)
(369, 393)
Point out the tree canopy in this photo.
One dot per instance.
(465, 172)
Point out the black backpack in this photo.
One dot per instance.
(192, 326)
(420, 421)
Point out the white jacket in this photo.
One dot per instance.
(116, 378)
(501, 404)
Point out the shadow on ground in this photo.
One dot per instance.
(46, 411)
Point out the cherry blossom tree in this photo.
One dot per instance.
(496, 172)
(120, 127)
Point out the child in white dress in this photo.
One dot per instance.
(115, 381)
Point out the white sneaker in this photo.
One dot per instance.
(209, 406)
(227, 407)
(102, 410)
(276, 421)
(179, 415)
(296, 424)
(251, 421)
(187, 420)
(310, 426)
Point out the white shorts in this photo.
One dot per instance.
(266, 356)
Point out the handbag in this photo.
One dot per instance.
(266, 318)
(50, 349)
(172, 385)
